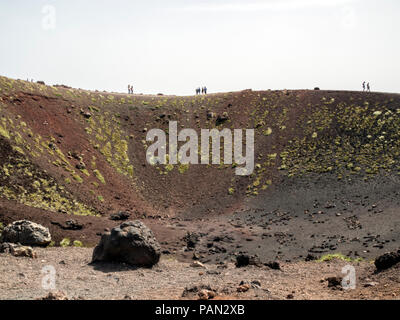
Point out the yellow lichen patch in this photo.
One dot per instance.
(38, 190)
(99, 176)
(4, 132)
(112, 143)
(361, 141)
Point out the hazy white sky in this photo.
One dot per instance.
(175, 46)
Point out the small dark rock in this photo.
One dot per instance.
(222, 118)
(387, 260)
(69, 225)
(73, 225)
(243, 260)
(210, 115)
(213, 272)
(80, 166)
(334, 282)
(273, 265)
(120, 216)
(190, 291)
(256, 284)
(311, 257)
(191, 239)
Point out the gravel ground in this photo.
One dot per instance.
(21, 278)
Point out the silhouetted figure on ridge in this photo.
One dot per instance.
(130, 89)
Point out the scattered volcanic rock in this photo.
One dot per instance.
(132, 242)
(197, 264)
(62, 86)
(210, 115)
(387, 260)
(255, 284)
(191, 239)
(311, 257)
(334, 282)
(81, 166)
(206, 294)
(244, 287)
(86, 114)
(17, 250)
(54, 296)
(222, 118)
(370, 284)
(69, 225)
(76, 156)
(273, 265)
(26, 233)
(202, 292)
(243, 260)
(120, 216)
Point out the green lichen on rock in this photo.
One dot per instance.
(66, 242)
(77, 244)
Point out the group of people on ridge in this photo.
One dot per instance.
(202, 90)
(368, 87)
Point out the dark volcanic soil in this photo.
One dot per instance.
(285, 226)
(300, 218)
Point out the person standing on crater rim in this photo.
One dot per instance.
(363, 85)
(368, 87)
(205, 90)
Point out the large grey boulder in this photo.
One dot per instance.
(132, 242)
(26, 233)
